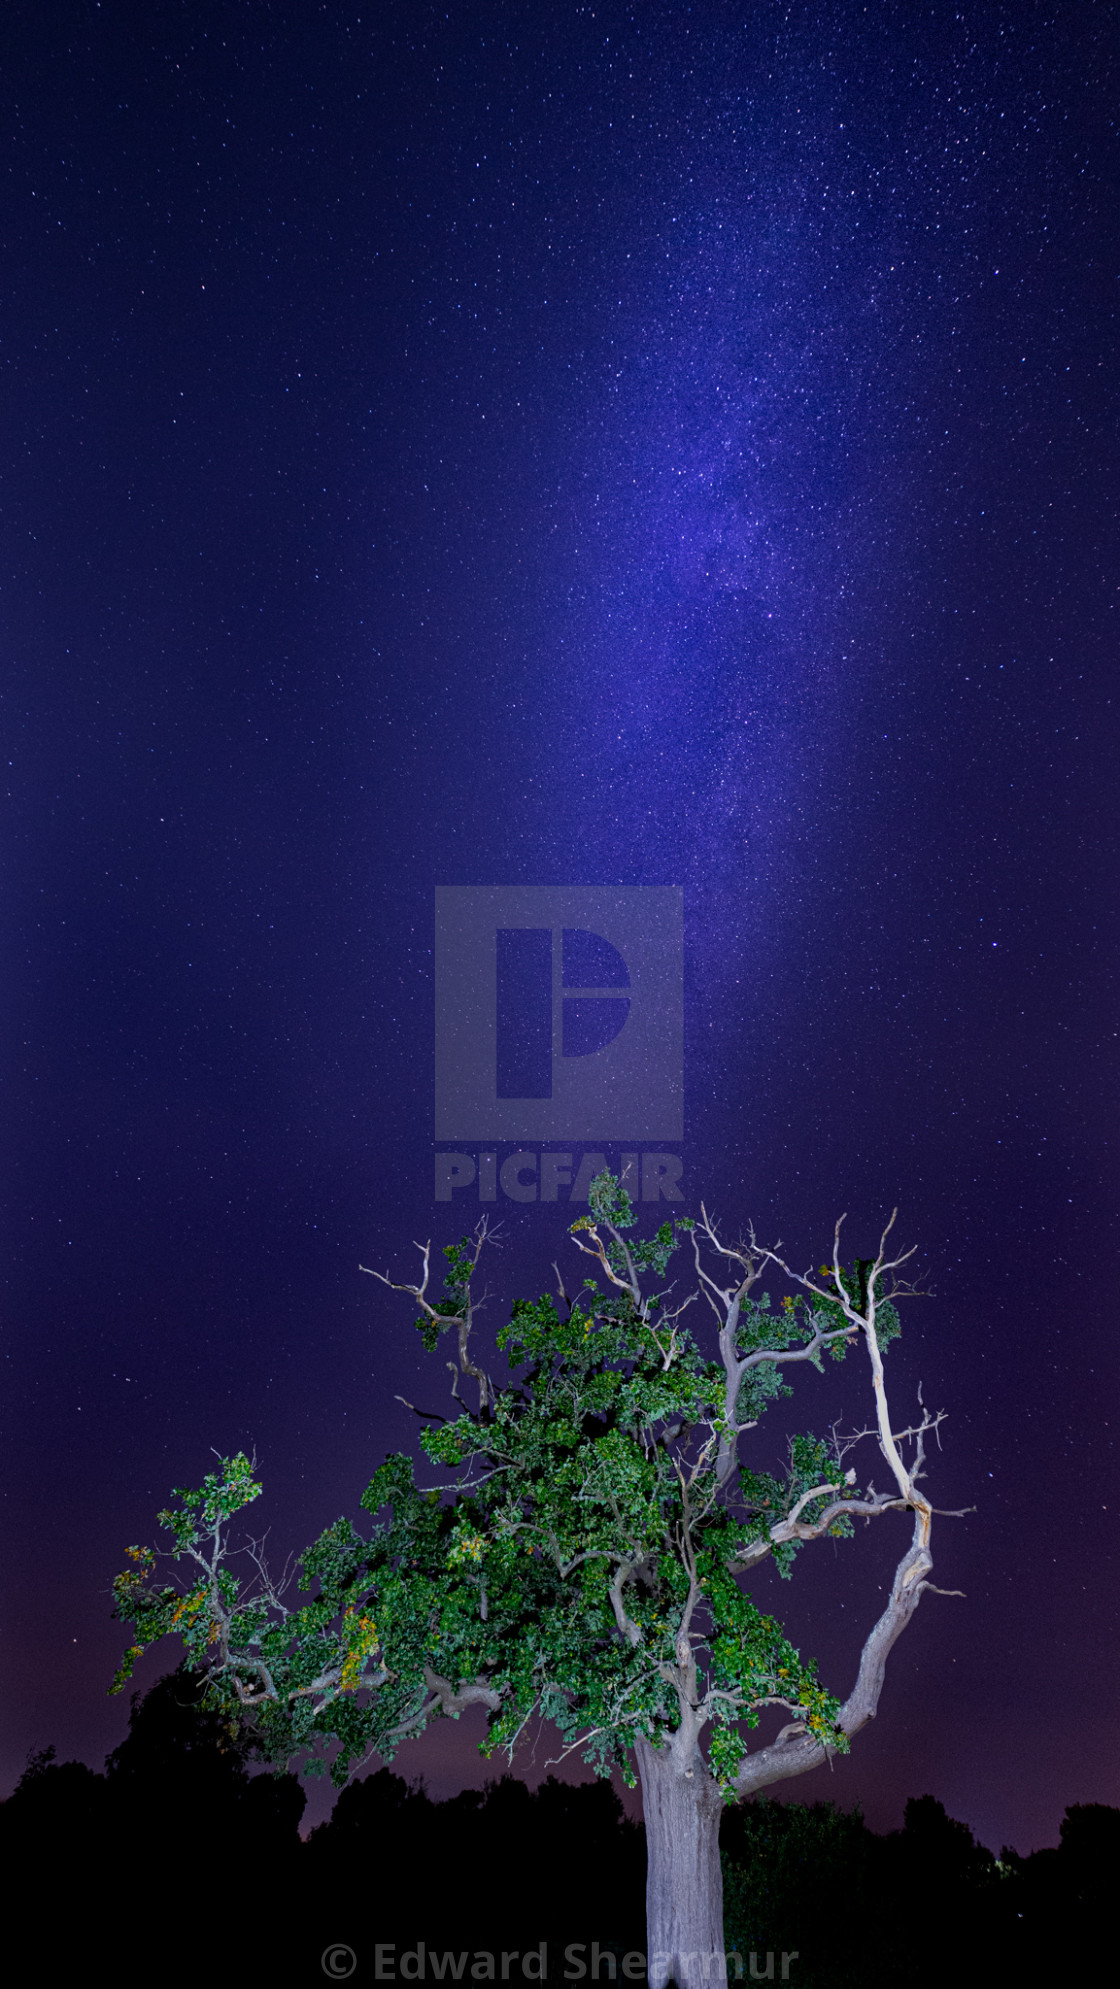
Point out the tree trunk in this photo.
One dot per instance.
(684, 1881)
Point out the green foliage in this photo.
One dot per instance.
(582, 1566)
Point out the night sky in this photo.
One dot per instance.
(588, 446)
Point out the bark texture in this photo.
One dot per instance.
(684, 1880)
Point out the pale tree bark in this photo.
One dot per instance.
(683, 1803)
(684, 1880)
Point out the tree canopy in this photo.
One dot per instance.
(578, 1550)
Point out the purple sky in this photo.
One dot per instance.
(497, 444)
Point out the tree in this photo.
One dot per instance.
(583, 1557)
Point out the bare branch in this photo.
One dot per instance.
(460, 1321)
(429, 1415)
(794, 1755)
(798, 1529)
(452, 1702)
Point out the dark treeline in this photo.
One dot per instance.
(179, 1864)
(922, 1906)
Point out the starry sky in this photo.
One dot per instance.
(505, 444)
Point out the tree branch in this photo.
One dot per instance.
(452, 1702)
(794, 1755)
